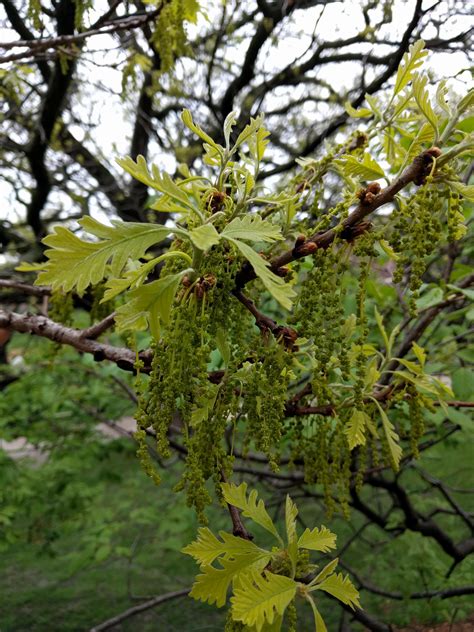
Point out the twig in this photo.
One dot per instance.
(131, 612)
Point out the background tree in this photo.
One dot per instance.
(57, 166)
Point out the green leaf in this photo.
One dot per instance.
(203, 407)
(281, 291)
(260, 598)
(223, 346)
(411, 366)
(249, 130)
(360, 113)
(229, 123)
(204, 237)
(237, 496)
(411, 61)
(258, 143)
(392, 438)
(423, 100)
(75, 264)
(212, 585)
(374, 105)
(252, 228)
(380, 325)
(156, 180)
(354, 429)
(326, 572)
(466, 190)
(187, 119)
(319, 624)
(318, 539)
(389, 251)
(340, 587)
(207, 547)
(420, 353)
(367, 169)
(291, 511)
(441, 92)
(149, 304)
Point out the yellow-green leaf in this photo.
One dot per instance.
(75, 263)
(204, 236)
(367, 169)
(342, 588)
(318, 540)
(354, 429)
(423, 100)
(412, 60)
(360, 113)
(260, 598)
(237, 496)
(207, 547)
(252, 228)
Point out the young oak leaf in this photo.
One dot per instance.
(354, 429)
(281, 291)
(204, 236)
(252, 228)
(156, 180)
(76, 264)
(423, 101)
(260, 598)
(237, 496)
(367, 169)
(341, 587)
(149, 304)
(412, 60)
(392, 438)
(207, 547)
(212, 584)
(317, 540)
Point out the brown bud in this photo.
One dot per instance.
(186, 281)
(307, 249)
(435, 152)
(374, 187)
(300, 241)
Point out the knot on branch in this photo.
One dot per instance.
(350, 233)
(424, 163)
(302, 248)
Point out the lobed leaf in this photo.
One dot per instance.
(212, 584)
(318, 540)
(207, 547)
(76, 264)
(260, 598)
(237, 496)
(367, 169)
(423, 101)
(412, 60)
(281, 291)
(252, 228)
(342, 588)
(149, 305)
(354, 429)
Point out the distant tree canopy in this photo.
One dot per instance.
(70, 95)
(274, 249)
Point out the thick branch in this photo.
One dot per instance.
(47, 328)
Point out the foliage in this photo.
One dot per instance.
(265, 582)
